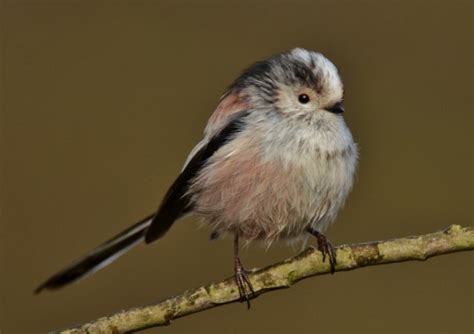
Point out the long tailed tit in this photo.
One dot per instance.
(277, 161)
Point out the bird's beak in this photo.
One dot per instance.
(336, 108)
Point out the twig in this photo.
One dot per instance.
(282, 275)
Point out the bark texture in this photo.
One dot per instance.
(282, 275)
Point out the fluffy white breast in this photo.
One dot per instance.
(321, 152)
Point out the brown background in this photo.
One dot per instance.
(102, 101)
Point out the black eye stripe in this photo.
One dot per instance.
(303, 98)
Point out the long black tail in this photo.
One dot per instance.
(99, 257)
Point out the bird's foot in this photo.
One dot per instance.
(242, 280)
(325, 247)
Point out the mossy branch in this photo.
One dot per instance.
(282, 275)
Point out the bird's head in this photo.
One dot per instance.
(296, 83)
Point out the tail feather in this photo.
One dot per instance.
(99, 257)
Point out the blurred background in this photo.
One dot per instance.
(102, 101)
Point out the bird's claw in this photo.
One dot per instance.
(326, 248)
(242, 280)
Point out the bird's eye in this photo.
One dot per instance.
(303, 98)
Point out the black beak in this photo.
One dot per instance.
(336, 108)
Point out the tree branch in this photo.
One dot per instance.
(282, 275)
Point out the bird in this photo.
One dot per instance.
(276, 162)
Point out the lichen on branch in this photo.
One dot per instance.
(282, 275)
